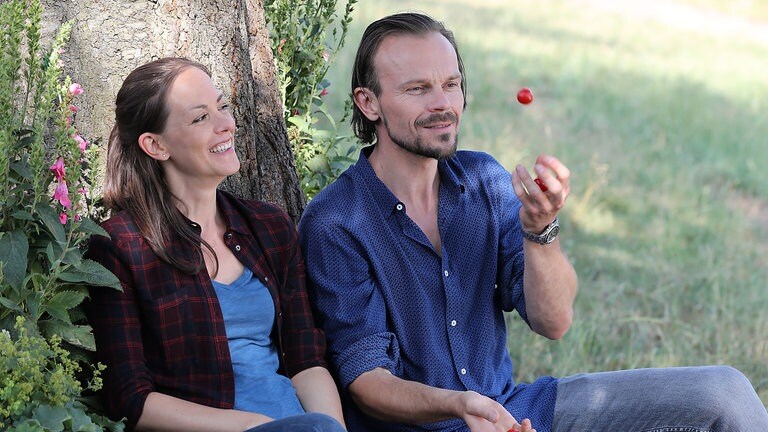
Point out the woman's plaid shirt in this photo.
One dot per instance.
(165, 331)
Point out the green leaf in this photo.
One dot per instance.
(14, 248)
(22, 169)
(51, 418)
(80, 421)
(11, 201)
(318, 163)
(91, 273)
(73, 257)
(78, 335)
(28, 425)
(57, 311)
(51, 254)
(322, 135)
(33, 304)
(10, 304)
(68, 299)
(300, 122)
(27, 141)
(90, 227)
(50, 219)
(23, 215)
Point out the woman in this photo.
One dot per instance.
(212, 330)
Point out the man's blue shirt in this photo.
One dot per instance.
(385, 298)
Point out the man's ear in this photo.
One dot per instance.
(367, 102)
(151, 145)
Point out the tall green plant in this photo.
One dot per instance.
(47, 169)
(305, 37)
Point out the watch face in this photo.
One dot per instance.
(553, 233)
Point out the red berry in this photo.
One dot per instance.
(525, 96)
(541, 184)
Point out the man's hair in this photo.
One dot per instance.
(364, 72)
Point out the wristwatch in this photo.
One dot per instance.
(547, 236)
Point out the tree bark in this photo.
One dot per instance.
(112, 37)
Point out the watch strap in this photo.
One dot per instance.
(545, 237)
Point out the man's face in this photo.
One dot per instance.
(421, 100)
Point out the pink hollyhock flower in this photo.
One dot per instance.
(61, 194)
(63, 218)
(78, 218)
(58, 169)
(73, 108)
(326, 56)
(323, 92)
(75, 89)
(83, 144)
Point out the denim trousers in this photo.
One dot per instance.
(310, 422)
(681, 399)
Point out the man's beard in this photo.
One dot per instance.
(417, 146)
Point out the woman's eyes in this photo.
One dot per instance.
(224, 107)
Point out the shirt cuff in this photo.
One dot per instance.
(380, 350)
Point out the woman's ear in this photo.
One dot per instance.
(150, 144)
(367, 102)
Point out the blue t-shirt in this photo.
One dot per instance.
(249, 315)
(385, 298)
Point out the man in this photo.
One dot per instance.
(414, 253)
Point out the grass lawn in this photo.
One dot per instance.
(659, 110)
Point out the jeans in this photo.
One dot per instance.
(685, 399)
(311, 422)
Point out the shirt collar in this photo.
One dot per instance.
(232, 218)
(447, 168)
(450, 177)
(382, 196)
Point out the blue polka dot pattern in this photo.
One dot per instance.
(385, 298)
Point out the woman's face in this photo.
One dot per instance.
(199, 134)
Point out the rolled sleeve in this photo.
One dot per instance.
(375, 351)
(349, 304)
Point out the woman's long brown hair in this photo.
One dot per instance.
(134, 181)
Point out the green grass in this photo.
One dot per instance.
(664, 129)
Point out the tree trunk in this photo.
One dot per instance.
(112, 37)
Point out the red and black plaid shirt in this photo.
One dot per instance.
(165, 331)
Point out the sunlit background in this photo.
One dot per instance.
(659, 109)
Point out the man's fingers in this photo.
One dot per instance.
(561, 172)
(532, 187)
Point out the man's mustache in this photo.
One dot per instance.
(438, 118)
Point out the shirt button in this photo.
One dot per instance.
(266, 279)
(399, 207)
(463, 371)
(237, 248)
(228, 236)
(453, 323)
(495, 286)
(445, 273)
